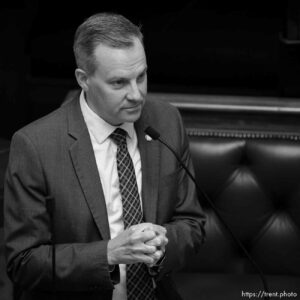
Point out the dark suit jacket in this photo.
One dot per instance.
(52, 167)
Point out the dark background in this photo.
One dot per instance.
(202, 47)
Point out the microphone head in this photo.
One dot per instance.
(152, 133)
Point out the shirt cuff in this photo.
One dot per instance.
(154, 271)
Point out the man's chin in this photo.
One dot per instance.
(132, 115)
(133, 118)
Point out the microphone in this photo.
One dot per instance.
(156, 136)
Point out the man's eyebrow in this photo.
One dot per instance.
(145, 70)
(117, 77)
(123, 77)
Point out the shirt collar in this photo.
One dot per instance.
(98, 127)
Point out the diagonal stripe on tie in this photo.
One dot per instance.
(139, 282)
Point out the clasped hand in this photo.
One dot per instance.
(140, 243)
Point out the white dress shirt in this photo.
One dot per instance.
(105, 153)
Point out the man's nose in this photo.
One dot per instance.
(134, 93)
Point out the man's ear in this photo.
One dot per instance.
(82, 79)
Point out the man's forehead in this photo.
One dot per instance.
(118, 61)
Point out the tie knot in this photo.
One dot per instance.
(119, 136)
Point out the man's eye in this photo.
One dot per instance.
(118, 83)
(141, 77)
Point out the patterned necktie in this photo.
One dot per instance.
(139, 283)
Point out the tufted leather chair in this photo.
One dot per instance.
(247, 160)
(254, 181)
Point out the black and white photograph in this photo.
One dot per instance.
(149, 150)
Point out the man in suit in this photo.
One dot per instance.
(68, 177)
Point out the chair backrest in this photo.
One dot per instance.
(253, 180)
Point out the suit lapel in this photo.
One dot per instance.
(83, 158)
(85, 166)
(150, 158)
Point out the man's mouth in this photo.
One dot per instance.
(133, 107)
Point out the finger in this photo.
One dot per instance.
(142, 227)
(158, 241)
(146, 236)
(155, 242)
(159, 229)
(136, 236)
(157, 255)
(144, 249)
(142, 258)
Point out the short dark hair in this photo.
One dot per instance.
(110, 29)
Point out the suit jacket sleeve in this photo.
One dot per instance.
(185, 228)
(79, 266)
